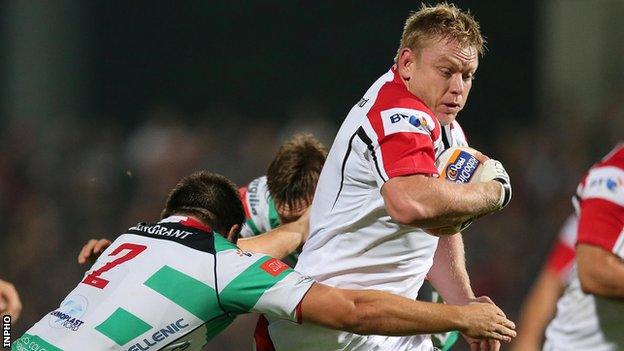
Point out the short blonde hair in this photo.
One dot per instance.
(444, 21)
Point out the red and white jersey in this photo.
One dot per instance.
(561, 258)
(353, 242)
(588, 322)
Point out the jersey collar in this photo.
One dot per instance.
(187, 221)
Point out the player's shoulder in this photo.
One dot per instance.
(615, 158)
(605, 180)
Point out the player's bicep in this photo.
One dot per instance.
(265, 286)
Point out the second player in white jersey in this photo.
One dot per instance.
(587, 321)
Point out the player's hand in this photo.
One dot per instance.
(304, 225)
(484, 320)
(9, 300)
(494, 170)
(92, 250)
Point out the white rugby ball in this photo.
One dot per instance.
(457, 164)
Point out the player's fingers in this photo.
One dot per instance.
(86, 251)
(506, 331)
(481, 157)
(474, 346)
(494, 336)
(495, 345)
(483, 345)
(101, 245)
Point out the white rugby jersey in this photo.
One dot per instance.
(353, 242)
(588, 322)
(173, 285)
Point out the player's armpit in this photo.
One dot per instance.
(600, 271)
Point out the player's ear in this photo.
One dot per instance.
(233, 233)
(405, 63)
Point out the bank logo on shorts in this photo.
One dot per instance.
(461, 167)
(402, 120)
(69, 313)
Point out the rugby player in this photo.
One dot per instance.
(283, 197)
(10, 303)
(379, 188)
(590, 314)
(541, 302)
(176, 284)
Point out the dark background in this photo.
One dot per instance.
(106, 104)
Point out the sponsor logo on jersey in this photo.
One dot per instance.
(397, 120)
(158, 229)
(160, 335)
(274, 267)
(462, 166)
(69, 313)
(254, 197)
(611, 183)
(242, 253)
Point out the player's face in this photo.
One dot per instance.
(288, 214)
(441, 75)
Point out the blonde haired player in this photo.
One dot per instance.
(379, 188)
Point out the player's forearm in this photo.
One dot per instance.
(382, 313)
(538, 310)
(600, 272)
(448, 274)
(428, 202)
(278, 243)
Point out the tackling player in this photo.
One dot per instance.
(283, 197)
(540, 304)
(379, 189)
(175, 284)
(590, 314)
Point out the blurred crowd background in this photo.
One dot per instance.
(105, 105)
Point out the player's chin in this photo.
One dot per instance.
(446, 118)
(443, 231)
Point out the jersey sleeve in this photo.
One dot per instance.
(561, 257)
(402, 140)
(262, 284)
(601, 219)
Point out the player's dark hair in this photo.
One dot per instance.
(210, 197)
(295, 170)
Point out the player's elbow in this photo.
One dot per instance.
(402, 206)
(589, 285)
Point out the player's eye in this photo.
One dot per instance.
(468, 77)
(445, 72)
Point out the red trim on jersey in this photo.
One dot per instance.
(560, 259)
(409, 152)
(261, 335)
(242, 192)
(193, 223)
(600, 223)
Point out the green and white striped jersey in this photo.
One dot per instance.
(260, 213)
(172, 285)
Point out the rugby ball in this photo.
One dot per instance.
(460, 165)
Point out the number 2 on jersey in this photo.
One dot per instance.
(94, 278)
